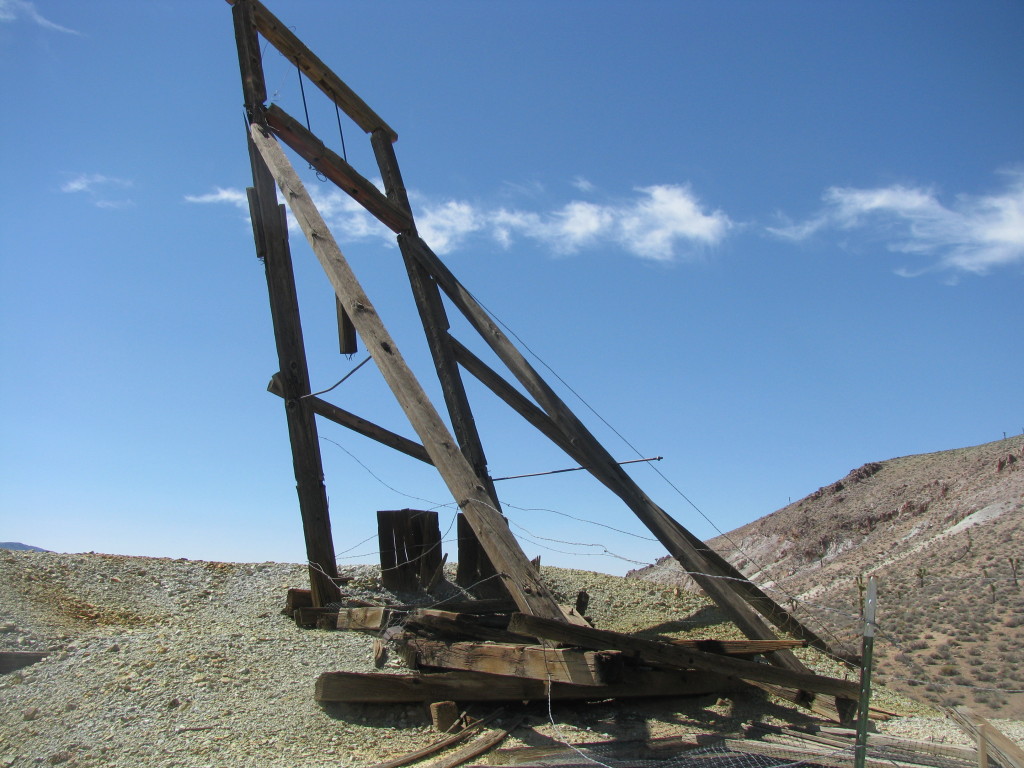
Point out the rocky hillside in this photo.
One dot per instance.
(944, 535)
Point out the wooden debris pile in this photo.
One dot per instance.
(485, 650)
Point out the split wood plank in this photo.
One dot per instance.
(357, 424)
(384, 688)
(437, 746)
(464, 626)
(1001, 748)
(669, 655)
(562, 665)
(363, 619)
(293, 49)
(521, 580)
(474, 749)
(331, 165)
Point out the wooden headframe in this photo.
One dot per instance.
(460, 459)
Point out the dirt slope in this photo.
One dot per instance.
(944, 535)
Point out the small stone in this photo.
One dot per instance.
(31, 713)
(114, 648)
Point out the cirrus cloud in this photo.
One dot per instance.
(13, 10)
(972, 233)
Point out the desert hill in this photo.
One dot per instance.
(943, 533)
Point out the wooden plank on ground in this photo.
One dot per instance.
(666, 654)
(437, 746)
(563, 665)
(465, 626)
(1001, 748)
(486, 742)
(380, 688)
(739, 647)
(363, 619)
(520, 578)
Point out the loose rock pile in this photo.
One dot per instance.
(157, 662)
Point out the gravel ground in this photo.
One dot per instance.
(157, 662)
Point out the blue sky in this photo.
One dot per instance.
(769, 242)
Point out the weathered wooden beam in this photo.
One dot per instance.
(512, 397)
(381, 688)
(520, 578)
(999, 746)
(739, 647)
(250, 61)
(330, 164)
(366, 428)
(270, 232)
(364, 619)
(465, 626)
(600, 463)
(293, 49)
(666, 654)
(562, 665)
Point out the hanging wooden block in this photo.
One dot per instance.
(348, 342)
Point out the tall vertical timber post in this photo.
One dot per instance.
(271, 234)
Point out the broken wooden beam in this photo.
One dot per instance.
(669, 655)
(383, 688)
(562, 665)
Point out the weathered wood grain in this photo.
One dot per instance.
(521, 580)
(670, 655)
(562, 665)
(362, 687)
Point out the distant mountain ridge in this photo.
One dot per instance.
(944, 535)
(19, 545)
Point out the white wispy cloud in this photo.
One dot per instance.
(972, 233)
(102, 190)
(231, 195)
(13, 10)
(660, 223)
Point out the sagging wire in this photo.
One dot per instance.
(635, 450)
(339, 382)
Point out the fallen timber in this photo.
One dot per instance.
(665, 654)
(496, 657)
(386, 688)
